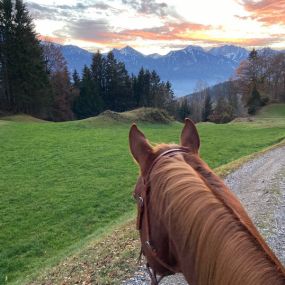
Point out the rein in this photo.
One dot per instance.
(142, 200)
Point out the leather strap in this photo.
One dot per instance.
(142, 200)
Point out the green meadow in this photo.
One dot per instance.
(62, 182)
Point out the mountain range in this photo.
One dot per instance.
(183, 68)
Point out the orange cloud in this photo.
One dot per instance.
(100, 32)
(267, 11)
(51, 39)
(169, 31)
(180, 32)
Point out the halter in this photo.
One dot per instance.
(142, 201)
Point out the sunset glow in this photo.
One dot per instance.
(153, 26)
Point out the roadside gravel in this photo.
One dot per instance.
(260, 185)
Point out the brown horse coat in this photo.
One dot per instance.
(197, 226)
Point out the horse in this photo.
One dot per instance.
(190, 222)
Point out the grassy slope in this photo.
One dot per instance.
(272, 111)
(63, 182)
(22, 118)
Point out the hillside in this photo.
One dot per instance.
(63, 185)
(272, 111)
(143, 115)
(22, 118)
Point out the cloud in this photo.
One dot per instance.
(51, 39)
(148, 7)
(101, 31)
(252, 42)
(62, 12)
(169, 31)
(261, 42)
(151, 7)
(81, 6)
(89, 30)
(42, 11)
(269, 12)
(170, 35)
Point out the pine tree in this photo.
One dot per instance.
(118, 95)
(87, 104)
(76, 79)
(110, 82)
(253, 55)
(98, 76)
(184, 110)
(124, 99)
(146, 89)
(26, 82)
(155, 97)
(6, 42)
(170, 104)
(207, 110)
(170, 91)
(139, 88)
(254, 101)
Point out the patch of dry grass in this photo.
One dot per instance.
(109, 260)
(144, 115)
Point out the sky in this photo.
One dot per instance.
(154, 26)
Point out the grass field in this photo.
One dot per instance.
(61, 182)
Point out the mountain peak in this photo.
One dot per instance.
(193, 47)
(232, 52)
(129, 50)
(155, 55)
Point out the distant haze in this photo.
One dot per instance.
(186, 69)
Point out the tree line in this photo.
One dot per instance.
(106, 84)
(34, 77)
(258, 80)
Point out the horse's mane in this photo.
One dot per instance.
(219, 237)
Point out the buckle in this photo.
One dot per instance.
(140, 201)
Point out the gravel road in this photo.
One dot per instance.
(260, 185)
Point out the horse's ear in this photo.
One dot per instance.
(139, 146)
(190, 137)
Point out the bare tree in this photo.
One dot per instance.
(54, 60)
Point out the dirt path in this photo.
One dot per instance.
(260, 185)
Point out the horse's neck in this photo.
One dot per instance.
(225, 261)
(221, 191)
(212, 245)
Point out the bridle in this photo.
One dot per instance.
(142, 198)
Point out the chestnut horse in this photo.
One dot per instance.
(190, 222)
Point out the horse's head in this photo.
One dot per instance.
(145, 154)
(156, 245)
(187, 217)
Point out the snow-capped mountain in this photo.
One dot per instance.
(76, 57)
(268, 52)
(133, 59)
(234, 53)
(154, 55)
(183, 68)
